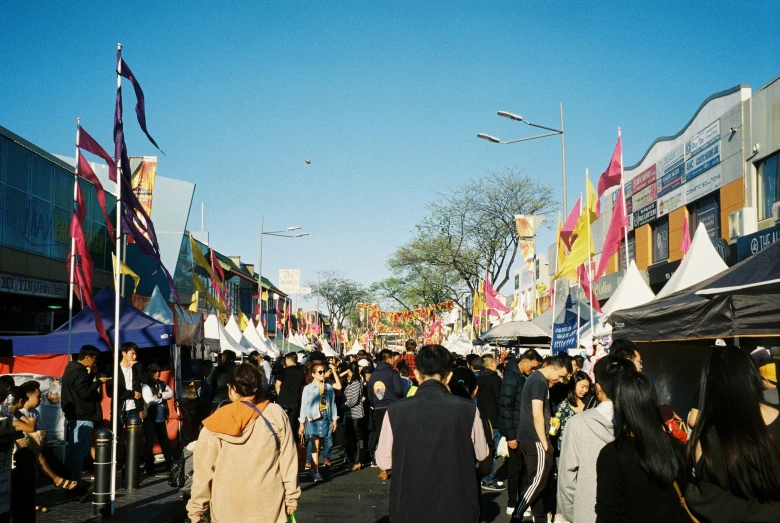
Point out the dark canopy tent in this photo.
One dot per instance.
(729, 313)
(135, 326)
(513, 333)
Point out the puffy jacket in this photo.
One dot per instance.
(488, 396)
(79, 393)
(385, 386)
(509, 407)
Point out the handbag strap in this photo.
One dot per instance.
(267, 423)
(683, 502)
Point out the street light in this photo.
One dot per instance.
(284, 233)
(553, 132)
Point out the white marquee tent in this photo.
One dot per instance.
(460, 344)
(214, 330)
(356, 347)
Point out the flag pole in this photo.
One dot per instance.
(554, 282)
(590, 263)
(73, 240)
(117, 286)
(622, 196)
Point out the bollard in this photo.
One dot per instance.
(133, 452)
(101, 501)
(23, 485)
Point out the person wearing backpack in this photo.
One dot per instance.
(245, 446)
(156, 394)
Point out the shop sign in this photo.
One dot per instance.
(671, 201)
(564, 336)
(629, 188)
(646, 214)
(752, 243)
(645, 196)
(643, 179)
(703, 161)
(671, 169)
(606, 285)
(703, 185)
(31, 287)
(703, 139)
(626, 189)
(661, 272)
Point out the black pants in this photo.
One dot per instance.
(515, 469)
(152, 429)
(292, 412)
(354, 438)
(538, 464)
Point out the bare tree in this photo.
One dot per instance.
(341, 295)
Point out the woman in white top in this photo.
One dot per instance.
(156, 394)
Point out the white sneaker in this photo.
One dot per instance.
(510, 510)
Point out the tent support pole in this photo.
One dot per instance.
(73, 242)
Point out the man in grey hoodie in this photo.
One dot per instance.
(585, 435)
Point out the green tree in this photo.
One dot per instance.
(340, 295)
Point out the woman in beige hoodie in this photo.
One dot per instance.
(245, 447)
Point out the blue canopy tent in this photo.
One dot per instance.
(135, 326)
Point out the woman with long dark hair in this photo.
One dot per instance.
(734, 451)
(245, 448)
(318, 414)
(576, 401)
(639, 474)
(156, 394)
(354, 414)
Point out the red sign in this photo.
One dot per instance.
(644, 179)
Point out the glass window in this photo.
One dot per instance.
(42, 178)
(16, 214)
(40, 233)
(97, 237)
(706, 211)
(622, 251)
(17, 164)
(768, 186)
(661, 240)
(3, 142)
(60, 247)
(88, 193)
(63, 189)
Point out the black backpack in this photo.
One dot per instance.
(177, 475)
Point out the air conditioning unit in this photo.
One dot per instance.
(743, 222)
(776, 212)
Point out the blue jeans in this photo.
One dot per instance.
(328, 445)
(79, 436)
(496, 440)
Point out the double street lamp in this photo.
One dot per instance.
(553, 132)
(289, 232)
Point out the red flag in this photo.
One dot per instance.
(86, 172)
(611, 177)
(586, 287)
(83, 273)
(89, 144)
(218, 277)
(686, 239)
(81, 208)
(614, 236)
(571, 222)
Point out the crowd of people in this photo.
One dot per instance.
(583, 440)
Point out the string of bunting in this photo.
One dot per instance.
(395, 317)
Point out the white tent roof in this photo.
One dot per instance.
(216, 331)
(261, 343)
(233, 329)
(356, 347)
(158, 309)
(460, 345)
(327, 349)
(701, 262)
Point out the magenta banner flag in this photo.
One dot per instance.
(611, 177)
(89, 144)
(614, 236)
(587, 289)
(686, 238)
(571, 222)
(86, 172)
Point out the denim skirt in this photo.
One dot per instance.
(319, 427)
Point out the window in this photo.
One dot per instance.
(17, 166)
(661, 240)
(631, 250)
(517, 281)
(768, 186)
(706, 211)
(42, 178)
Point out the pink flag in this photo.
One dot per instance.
(493, 304)
(686, 239)
(86, 172)
(614, 236)
(582, 271)
(571, 222)
(611, 177)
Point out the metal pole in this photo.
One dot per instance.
(117, 280)
(260, 276)
(622, 196)
(563, 160)
(73, 240)
(590, 271)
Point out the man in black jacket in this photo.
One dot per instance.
(218, 379)
(130, 382)
(80, 406)
(488, 398)
(517, 370)
(429, 440)
(385, 388)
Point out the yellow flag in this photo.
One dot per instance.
(243, 321)
(124, 269)
(589, 213)
(571, 276)
(265, 296)
(199, 258)
(580, 252)
(199, 287)
(194, 305)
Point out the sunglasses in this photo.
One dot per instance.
(319, 372)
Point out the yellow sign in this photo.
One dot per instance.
(142, 183)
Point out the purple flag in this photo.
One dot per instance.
(140, 107)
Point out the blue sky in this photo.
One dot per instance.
(385, 99)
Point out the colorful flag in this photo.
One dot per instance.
(582, 271)
(243, 321)
(611, 177)
(201, 289)
(197, 255)
(84, 169)
(686, 237)
(571, 222)
(89, 144)
(571, 276)
(479, 304)
(142, 182)
(127, 271)
(526, 232)
(492, 303)
(581, 250)
(218, 278)
(140, 106)
(614, 236)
